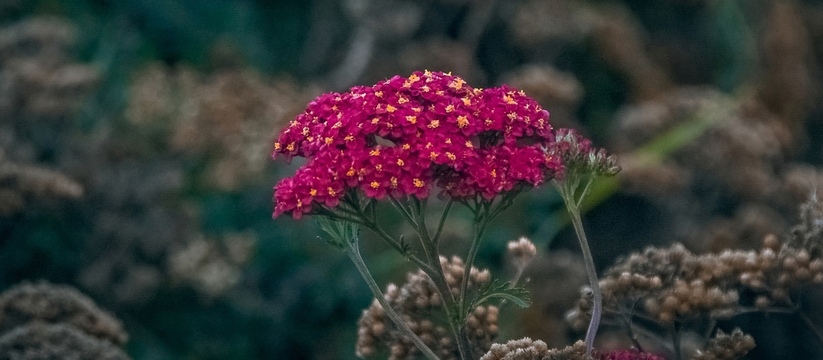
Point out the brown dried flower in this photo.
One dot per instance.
(418, 302)
(522, 252)
(21, 184)
(40, 341)
(44, 302)
(726, 346)
(527, 349)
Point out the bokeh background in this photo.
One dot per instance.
(135, 139)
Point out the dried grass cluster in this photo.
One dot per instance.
(45, 321)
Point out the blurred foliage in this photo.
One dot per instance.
(256, 288)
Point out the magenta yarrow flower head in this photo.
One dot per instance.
(406, 136)
(629, 355)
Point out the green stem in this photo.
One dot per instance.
(630, 330)
(475, 245)
(678, 353)
(450, 303)
(389, 239)
(402, 209)
(354, 254)
(443, 217)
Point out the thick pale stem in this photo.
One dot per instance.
(591, 272)
(354, 254)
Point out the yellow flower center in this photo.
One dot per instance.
(462, 121)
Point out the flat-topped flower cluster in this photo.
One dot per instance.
(404, 136)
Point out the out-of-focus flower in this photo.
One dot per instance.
(528, 349)
(43, 302)
(403, 136)
(629, 355)
(37, 341)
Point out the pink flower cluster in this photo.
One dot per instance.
(403, 136)
(629, 355)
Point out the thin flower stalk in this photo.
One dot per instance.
(582, 165)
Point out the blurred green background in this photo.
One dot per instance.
(135, 139)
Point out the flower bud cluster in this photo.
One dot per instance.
(521, 252)
(403, 136)
(726, 346)
(528, 349)
(673, 284)
(808, 233)
(419, 303)
(577, 154)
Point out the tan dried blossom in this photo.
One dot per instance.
(38, 79)
(808, 233)
(559, 91)
(38, 341)
(528, 349)
(619, 38)
(537, 22)
(726, 346)
(740, 151)
(40, 37)
(212, 267)
(419, 304)
(788, 87)
(673, 284)
(43, 302)
(22, 184)
(227, 116)
(522, 252)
